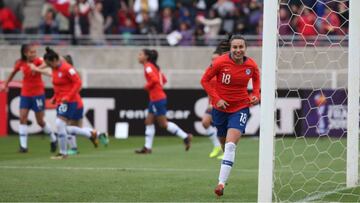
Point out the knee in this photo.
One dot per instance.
(205, 124)
(41, 122)
(163, 125)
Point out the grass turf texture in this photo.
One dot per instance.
(116, 173)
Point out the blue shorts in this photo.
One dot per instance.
(223, 121)
(158, 108)
(69, 111)
(36, 103)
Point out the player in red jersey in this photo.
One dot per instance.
(211, 132)
(67, 85)
(32, 95)
(75, 125)
(231, 100)
(157, 105)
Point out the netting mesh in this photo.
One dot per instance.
(310, 163)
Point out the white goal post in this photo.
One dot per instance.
(268, 96)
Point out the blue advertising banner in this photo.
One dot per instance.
(324, 112)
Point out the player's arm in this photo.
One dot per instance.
(5, 85)
(42, 70)
(255, 97)
(205, 82)
(76, 87)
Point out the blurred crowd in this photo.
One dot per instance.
(191, 22)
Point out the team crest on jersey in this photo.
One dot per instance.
(248, 71)
(60, 75)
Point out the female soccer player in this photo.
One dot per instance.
(75, 124)
(32, 95)
(223, 47)
(231, 100)
(67, 85)
(157, 105)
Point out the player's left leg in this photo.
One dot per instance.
(233, 136)
(38, 106)
(211, 133)
(160, 113)
(149, 133)
(72, 137)
(236, 124)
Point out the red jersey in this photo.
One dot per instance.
(154, 82)
(231, 82)
(66, 82)
(32, 81)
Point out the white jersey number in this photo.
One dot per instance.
(226, 78)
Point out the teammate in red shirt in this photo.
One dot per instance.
(211, 132)
(67, 85)
(32, 95)
(231, 100)
(157, 105)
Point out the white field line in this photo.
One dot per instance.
(321, 195)
(121, 169)
(146, 169)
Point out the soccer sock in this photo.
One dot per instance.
(74, 130)
(211, 133)
(47, 129)
(23, 135)
(149, 135)
(61, 130)
(174, 129)
(72, 141)
(227, 162)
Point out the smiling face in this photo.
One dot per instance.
(237, 49)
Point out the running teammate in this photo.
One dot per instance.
(211, 132)
(32, 96)
(231, 100)
(155, 80)
(67, 85)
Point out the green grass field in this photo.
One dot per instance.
(169, 174)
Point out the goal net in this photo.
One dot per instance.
(310, 161)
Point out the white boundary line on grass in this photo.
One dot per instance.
(121, 169)
(323, 194)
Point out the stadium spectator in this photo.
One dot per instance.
(306, 23)
(155, 80)
(330, 25)
(17, 6)
(224, 8)
(212, 25)
(32, 96)
(96, 20)
(168, 22)
(231, 100)
(62, 13)
(49, 25)
(150, 7)
(147, 25)
(284, 22)
(8, 22)
(186, 34)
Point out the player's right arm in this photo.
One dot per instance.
(16, 69)
(43, 70)
(211, 72)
